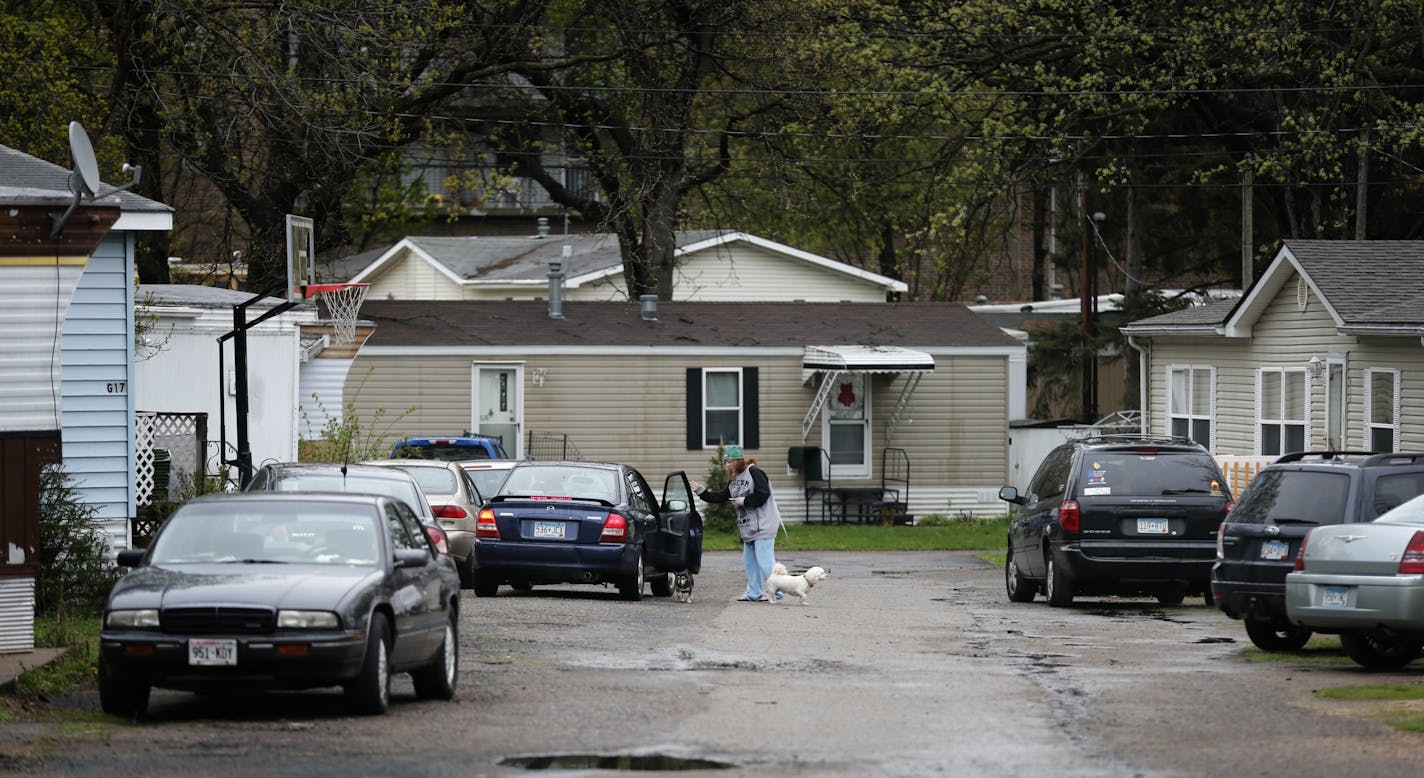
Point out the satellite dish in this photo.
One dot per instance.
(85, 165)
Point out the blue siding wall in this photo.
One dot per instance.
(97, 411)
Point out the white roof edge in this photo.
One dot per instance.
(806, 256)
(866, 358)
(144, 221)
(1265, 290)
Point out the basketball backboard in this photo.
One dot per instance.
(301, 256)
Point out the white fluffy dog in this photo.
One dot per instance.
(799, 585)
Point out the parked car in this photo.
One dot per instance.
(1364, 582)
(455, 501)
(282, 591)
(586, 523)
(488, 473)
(1257, 544)
(338, 477)
(1116, 514)
(451, 449)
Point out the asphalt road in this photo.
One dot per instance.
(903, 664)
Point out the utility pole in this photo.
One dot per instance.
(1085, 307)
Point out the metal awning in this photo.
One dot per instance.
(831, 361)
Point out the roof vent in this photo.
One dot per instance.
(556, 290)
(543, 227)
(650, 306)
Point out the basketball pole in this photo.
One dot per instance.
(238, 335)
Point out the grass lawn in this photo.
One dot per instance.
(954, 535)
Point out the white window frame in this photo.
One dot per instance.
(1278, 374)
(1173, 414)
(1368, 390)
(862, 470)
(740, 407)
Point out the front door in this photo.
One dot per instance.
(498, 405)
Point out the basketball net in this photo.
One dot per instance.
(343, 303)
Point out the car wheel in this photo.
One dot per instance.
(1269, 636)
(370, 692)
(661, 584)
(437, 680)
(1057, 585)
(485, 585)
(521, 586)
(1208, 599)
(1378, 651)
(631, 588)
(119, 697)
(1173, 596)
(467, 572)
(1020, 589)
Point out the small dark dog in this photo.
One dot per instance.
(682, 587)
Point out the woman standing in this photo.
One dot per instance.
(757, 516)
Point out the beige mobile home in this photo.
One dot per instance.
(1323, 352)
(658, 385)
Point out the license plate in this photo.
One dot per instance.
(212, 652)
(1274, 549)
(549, 529)
(1151, 526)
(1335, 597)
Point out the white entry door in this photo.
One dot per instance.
(498, 404)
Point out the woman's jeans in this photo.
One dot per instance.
(758, 556)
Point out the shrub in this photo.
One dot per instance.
(75, 569)
(718, 516)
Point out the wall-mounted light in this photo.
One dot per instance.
(1315, 368)
(537, 376)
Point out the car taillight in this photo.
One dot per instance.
(437, 538)
(1220, 545)
(1229, 505)
(449, 512)
(1069, 516)
(485, 526)
(1300, 554)
(615, 529)
(1412, 563)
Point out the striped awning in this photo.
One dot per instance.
(866, 359)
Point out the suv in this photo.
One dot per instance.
(1258, 542)
(450, 449)
(1117, 514)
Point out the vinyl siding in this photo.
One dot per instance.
(632, 409)
(409, 277)
(37, 297)
(97, 353)
(1286, 337)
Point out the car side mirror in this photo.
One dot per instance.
(412, 557)
(130, 557)
(673, 506)
(1010, 494)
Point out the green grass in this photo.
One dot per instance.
(75, 669)
(1322, 649)
(955, 535)
(1374, 691)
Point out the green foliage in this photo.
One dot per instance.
(75, 669)
(958, 535)
(75, 571)
(349, 439)
(718, 517)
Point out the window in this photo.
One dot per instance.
(1282, 410)
(1189, 403)
(396, 524)
(1052, 477)
(846, 428)
(722, 407)
(1382, 409)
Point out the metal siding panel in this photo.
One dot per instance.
(322, 384)
(17, 615)
(36, 300)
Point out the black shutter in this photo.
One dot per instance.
(751, 409)
(694, 409)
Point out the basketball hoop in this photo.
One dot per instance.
(343, 302)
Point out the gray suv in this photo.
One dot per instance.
(1117, 514)
(1258, 542)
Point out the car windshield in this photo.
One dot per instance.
(433, 480)
(1293, 496)
(1411, 512)
(580, 483)
(1149, 473)
(393, 486)
(268, 533)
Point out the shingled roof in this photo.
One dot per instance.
(679, 323)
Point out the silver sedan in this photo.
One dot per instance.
(1365, 582)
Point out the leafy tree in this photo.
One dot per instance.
(75, 570)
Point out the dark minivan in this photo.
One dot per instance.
(1117, 514)
(1258, 543)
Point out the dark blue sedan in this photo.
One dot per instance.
(586, 523)
(282, 591)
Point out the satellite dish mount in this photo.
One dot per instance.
(84, 181)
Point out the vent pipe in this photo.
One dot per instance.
(650, 307)
(543, 226)
(556, 289)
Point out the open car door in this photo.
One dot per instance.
(679, 527)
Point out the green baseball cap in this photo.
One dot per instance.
(731, 451)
